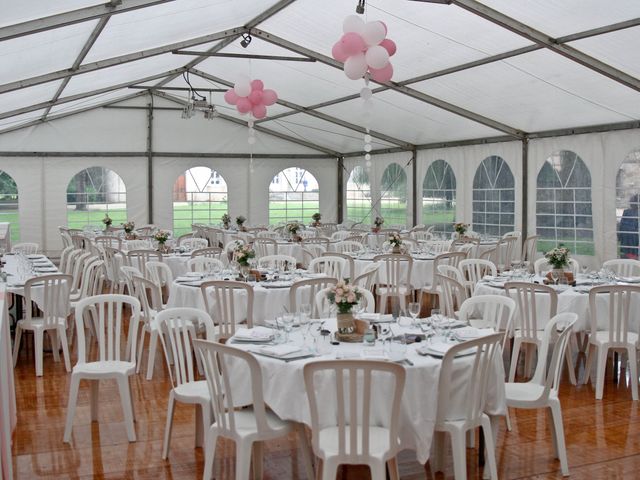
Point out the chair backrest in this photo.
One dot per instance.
(323, 306)
(513, 233)
(451, 272)
(368, 277)
(138, 245)
(614, 302)
(495, 311)
(548, 373)
(421, 235)
(342, 400)
(529, 314)
(139, 259)
(179, 328)
(305, 291)
(330, 265)
(92, 278)
(78, 260)
(478, 380)
(349, 263)
(435, 247)
(490, 254)
(204, 264)
(623, 267)
(447, 258)
(128, 273)
(217, 360)
(268, 234)
(64, 258)
(160, 273)
(356, 238)
(452, 295)
(348, 246)
(105, 314)
(109, 241)
(25, 248)
(194, 243)
(505, 250)
(265, 246)
(65, 236)
(340, 235)
(396, 270)
(323, 241)
(215, 236)
(55, 297)
(113, 260)
(280, 262)
(149, 295)
(529, 248)
(220, 302)
(211, 252)
(474, 269)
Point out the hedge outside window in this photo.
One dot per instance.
(563, 204)
(93, 193)
(439, 197)
(199, 196)
(493, 198)
(393, 201)
(293, 195)
(627, 206)
(9, 204)
(359, 196)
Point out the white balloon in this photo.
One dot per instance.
(368, 163)
(367, 147)
(367, 157)
(367, 138)
(355, 67)
(377, 57)
(374, 33)
(250, 123)
(353, 23)
(366, 93)
(242, 87)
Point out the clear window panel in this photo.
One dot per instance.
(9, 204)
(628, 206)
(293, 196)
(493, 193)
(439, 197)
(393, 200)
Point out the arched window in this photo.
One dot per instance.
(439, 197)
(563, 204)
(9, 204)
(91, 194)
(393, 199)
(493, 197)
(293, 195)
(627, 205)
(199, 196)
(359, 196)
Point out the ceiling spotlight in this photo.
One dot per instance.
(246, 39)
(360, 7)
(211, 112)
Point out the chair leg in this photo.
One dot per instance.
(62, 338)
(307, 454)
(633, 372)
(587, 363)
(329, 469)
(508, 420)
(459, 455)
(94, 399)
(392, 465)
(140, 349)
(209, 453)
(55, 345)
(514, 360)
(243, 460)
(378, 470)
(16, 344)
(568, 355)
(439, 445)
(602, 365)
(530, 350)
(125, 398)
(490, 455)
(558, 433)
(38, 336)
(257, 456)
(71, 407)
(153, 346)
(200, 425)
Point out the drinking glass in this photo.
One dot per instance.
(414, 311)
(287, 320)
(585, 269)
(305, 320)
(398, 349)
(554, 276)
(435, 321)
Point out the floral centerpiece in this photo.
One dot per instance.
(344, 296)
(240, 222)
(460, 228)
(377, 224)
(292, 229)
(107, 221)
(558, 258)
(161, 236)
(316, 217)
(129, 228)
(243, 253)
(226, 220)
(396, 242)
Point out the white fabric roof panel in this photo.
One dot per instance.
(10, 122)
(618, 49)
(18, 11)
(171, 22)
(537, 91)
(89, 101)
(429, 37)
(46, 51)
(28, 96)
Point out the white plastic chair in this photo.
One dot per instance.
(113, 260)
(105, 312)
(178, 329)
(248, 427)
(150, 297)
(160, 273)
(623, 267)
(25, 248)
(457, 423)
(397, 279)
(265, 246)
(331, 266)
(452, 295)
(220, 302)
(109, 241)
(348, 246)
(529, 248)
(193, 243)
(494, 311)
(139, 259)
(283, 262)
(368, 277)
(340, 235)
(304, 292)
(55, 310)
(211, 252)
(474, 269)
(204, 264)
(138, 245)
(616, 301)
(350, 432)
(349, 263)
(542, 390)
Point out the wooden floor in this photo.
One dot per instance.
(603, 437)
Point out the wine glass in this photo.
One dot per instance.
(305, 320)
(414, 311)
(554, 276)
(287, 321)
(435, 321)
(585, 269)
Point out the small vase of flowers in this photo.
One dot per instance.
(316, 217)
(377, 224)
(292, 229)
(344, 296)
(558, 258)
(161, 236)
(240, 223)
(242, 254)
(107, 221)
(128, 228)
(460, 228)
(396, 243)
(226, 220)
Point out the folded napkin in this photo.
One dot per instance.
(628, 279)
(439, 349)
(255, 333)
(470, 333)
(279, 350)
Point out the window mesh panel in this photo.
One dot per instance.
(493, 198)
(359, 196)
(393, 201)
(9, 204)
(628, 205)
(439, 197)
(293, 195)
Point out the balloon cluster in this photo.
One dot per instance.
(364, 47)
(250, 96)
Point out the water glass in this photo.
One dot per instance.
(414, 311)
(287, 321)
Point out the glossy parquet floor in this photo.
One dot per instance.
(603, 437)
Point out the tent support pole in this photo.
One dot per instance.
(150, 160)
(414, 188)
(525, 186)
(340, 185)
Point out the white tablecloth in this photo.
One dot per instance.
(285, 393)
(421, 271)
(16, 280)
(8, 417)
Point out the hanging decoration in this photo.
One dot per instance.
(250, 96)
(364, 48)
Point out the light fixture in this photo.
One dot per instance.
(196, 102)
(360, 7)
(246, 40)
(211, 112)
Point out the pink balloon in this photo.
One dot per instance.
(338, 53)
(231, 97)
(243, 105)
(382, 74)
(269, 97)
(389, 45)
(352, 43)
(257, 85)
(255, 97)
(259, 111)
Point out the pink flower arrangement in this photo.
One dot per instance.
(344, 296)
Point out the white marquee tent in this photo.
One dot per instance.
(529, 82)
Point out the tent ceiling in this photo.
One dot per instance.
(543, 86)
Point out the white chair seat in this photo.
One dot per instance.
(38, 323)
(192, 392)
(246, 423)
(105, 369)
(378, 441)
(522, 392)
(602, 337)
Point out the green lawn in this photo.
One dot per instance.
(585, 248)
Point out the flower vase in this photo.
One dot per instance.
(296, 238)
(162, 247)
(226, 226)
(346, 323)
(396, 249)
(244, 271)
(375, 229)
(242, 228)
